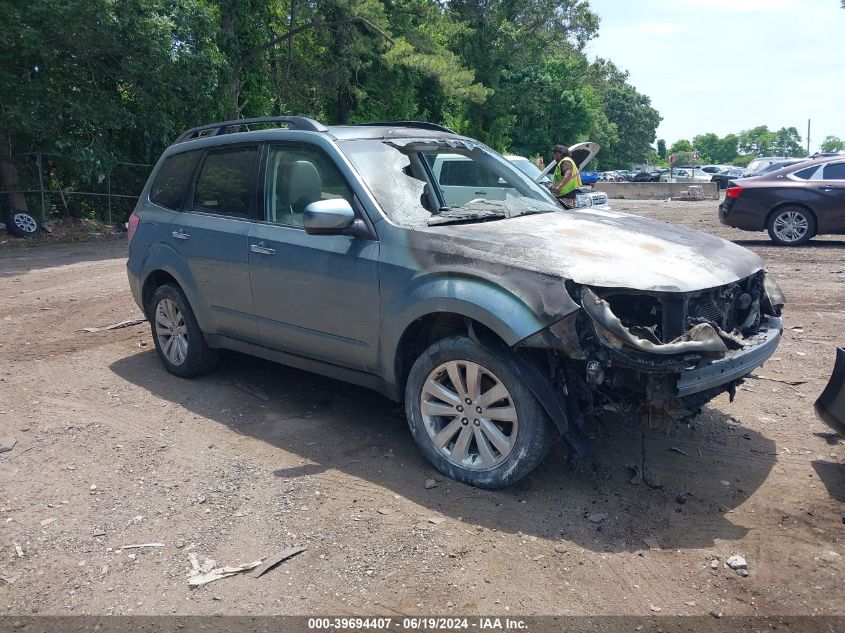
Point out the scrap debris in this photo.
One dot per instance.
(200, 578)
(114, 326)
(278, 558)
(793, 383)
(140, 545)
(7, 444)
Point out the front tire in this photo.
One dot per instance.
(791, 226)
(473, 417)
(177, 335)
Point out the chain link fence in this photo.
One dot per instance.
(53, 190)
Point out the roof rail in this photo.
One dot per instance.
(425, 125)
(224, 127)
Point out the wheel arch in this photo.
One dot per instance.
(445, 305)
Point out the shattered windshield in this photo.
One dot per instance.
(421, 182)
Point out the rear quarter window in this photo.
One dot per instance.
(171, 181)
(834, 171)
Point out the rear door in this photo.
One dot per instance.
(829, 189)
(315, 296)
(210, 235)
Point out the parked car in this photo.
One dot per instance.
(794, 203)
(501, 323)
(724, 177)
(680, 174)
(589, 177)
(715, 169)
(582, 199)
(774, 167)
(763, 161)
(648, 176)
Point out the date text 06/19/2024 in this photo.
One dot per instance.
(417, 624)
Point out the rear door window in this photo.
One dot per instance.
(171, 182)
(227, 182)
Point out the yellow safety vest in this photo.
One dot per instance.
(574, 182)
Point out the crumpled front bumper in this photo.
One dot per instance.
(709, 374)
(830, 406)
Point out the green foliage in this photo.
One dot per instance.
(103, 82)
(661, 149)
(833, 143)
(682, 145)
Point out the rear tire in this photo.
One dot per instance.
(178, 339)
(791, 226)
(473, 417)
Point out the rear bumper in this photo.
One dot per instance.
(830, 407)
(734, 365)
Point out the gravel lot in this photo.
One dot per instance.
(112, 450)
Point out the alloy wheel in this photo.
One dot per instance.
(171, 331)
(791, 226)
(25, 223)
(469, 415)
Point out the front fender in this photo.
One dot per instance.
(481, 300)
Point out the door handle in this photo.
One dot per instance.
(829, 187)
(261, 249)
(180, 235)
(480, 193)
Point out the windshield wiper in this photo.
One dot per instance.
(458, 216)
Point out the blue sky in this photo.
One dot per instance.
(723, 66)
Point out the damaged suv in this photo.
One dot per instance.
(501, 322)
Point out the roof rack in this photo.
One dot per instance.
(224, 127)
(425, 125)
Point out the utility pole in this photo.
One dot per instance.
(808, 137)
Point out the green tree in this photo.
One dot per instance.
(708, 147)
(727, 149)
(832, 143)
(682, 145)
(661, 148)
(629, 112)
(788, 143)
(758, 141)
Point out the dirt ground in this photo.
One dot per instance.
(240, 464)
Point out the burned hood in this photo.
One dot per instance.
(591, 247)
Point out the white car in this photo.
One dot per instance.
(582, 153)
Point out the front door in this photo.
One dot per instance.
(315, 296)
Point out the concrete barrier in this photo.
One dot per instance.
(657, 190)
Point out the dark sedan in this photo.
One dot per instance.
(721, 179)
(794, 203)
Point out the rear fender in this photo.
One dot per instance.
(162, 257)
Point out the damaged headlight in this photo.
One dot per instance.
(701, 338)
(774, 300)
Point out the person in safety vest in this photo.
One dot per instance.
(566, 179)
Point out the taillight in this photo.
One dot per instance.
(131, 226)
(733, 192)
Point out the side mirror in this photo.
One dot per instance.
(328, 217)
